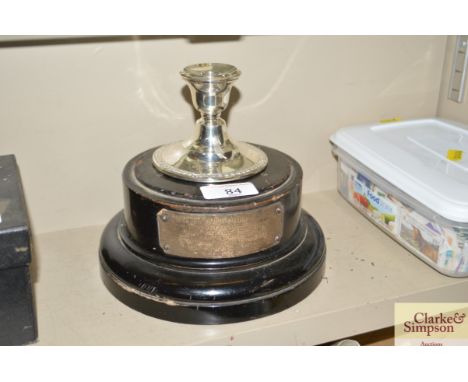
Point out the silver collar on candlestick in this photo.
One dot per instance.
(210, 156)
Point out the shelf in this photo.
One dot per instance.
(366, 273)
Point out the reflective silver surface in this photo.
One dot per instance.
(210, 156)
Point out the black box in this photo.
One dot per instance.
(17, 317)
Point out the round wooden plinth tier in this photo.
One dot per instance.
(175, 255)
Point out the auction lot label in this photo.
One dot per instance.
(431, 324)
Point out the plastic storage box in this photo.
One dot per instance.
(411, 180)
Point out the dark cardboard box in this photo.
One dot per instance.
(17, 315)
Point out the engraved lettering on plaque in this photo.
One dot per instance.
(220, 235)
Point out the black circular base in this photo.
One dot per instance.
(212, 291)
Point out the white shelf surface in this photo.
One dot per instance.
(366, 273)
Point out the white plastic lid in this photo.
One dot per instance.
(414, 156)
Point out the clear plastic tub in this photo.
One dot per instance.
(437, 240)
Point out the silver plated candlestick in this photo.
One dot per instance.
(210, 156)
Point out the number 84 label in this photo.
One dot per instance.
(233, 190)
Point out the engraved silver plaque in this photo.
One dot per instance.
(220, 235)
